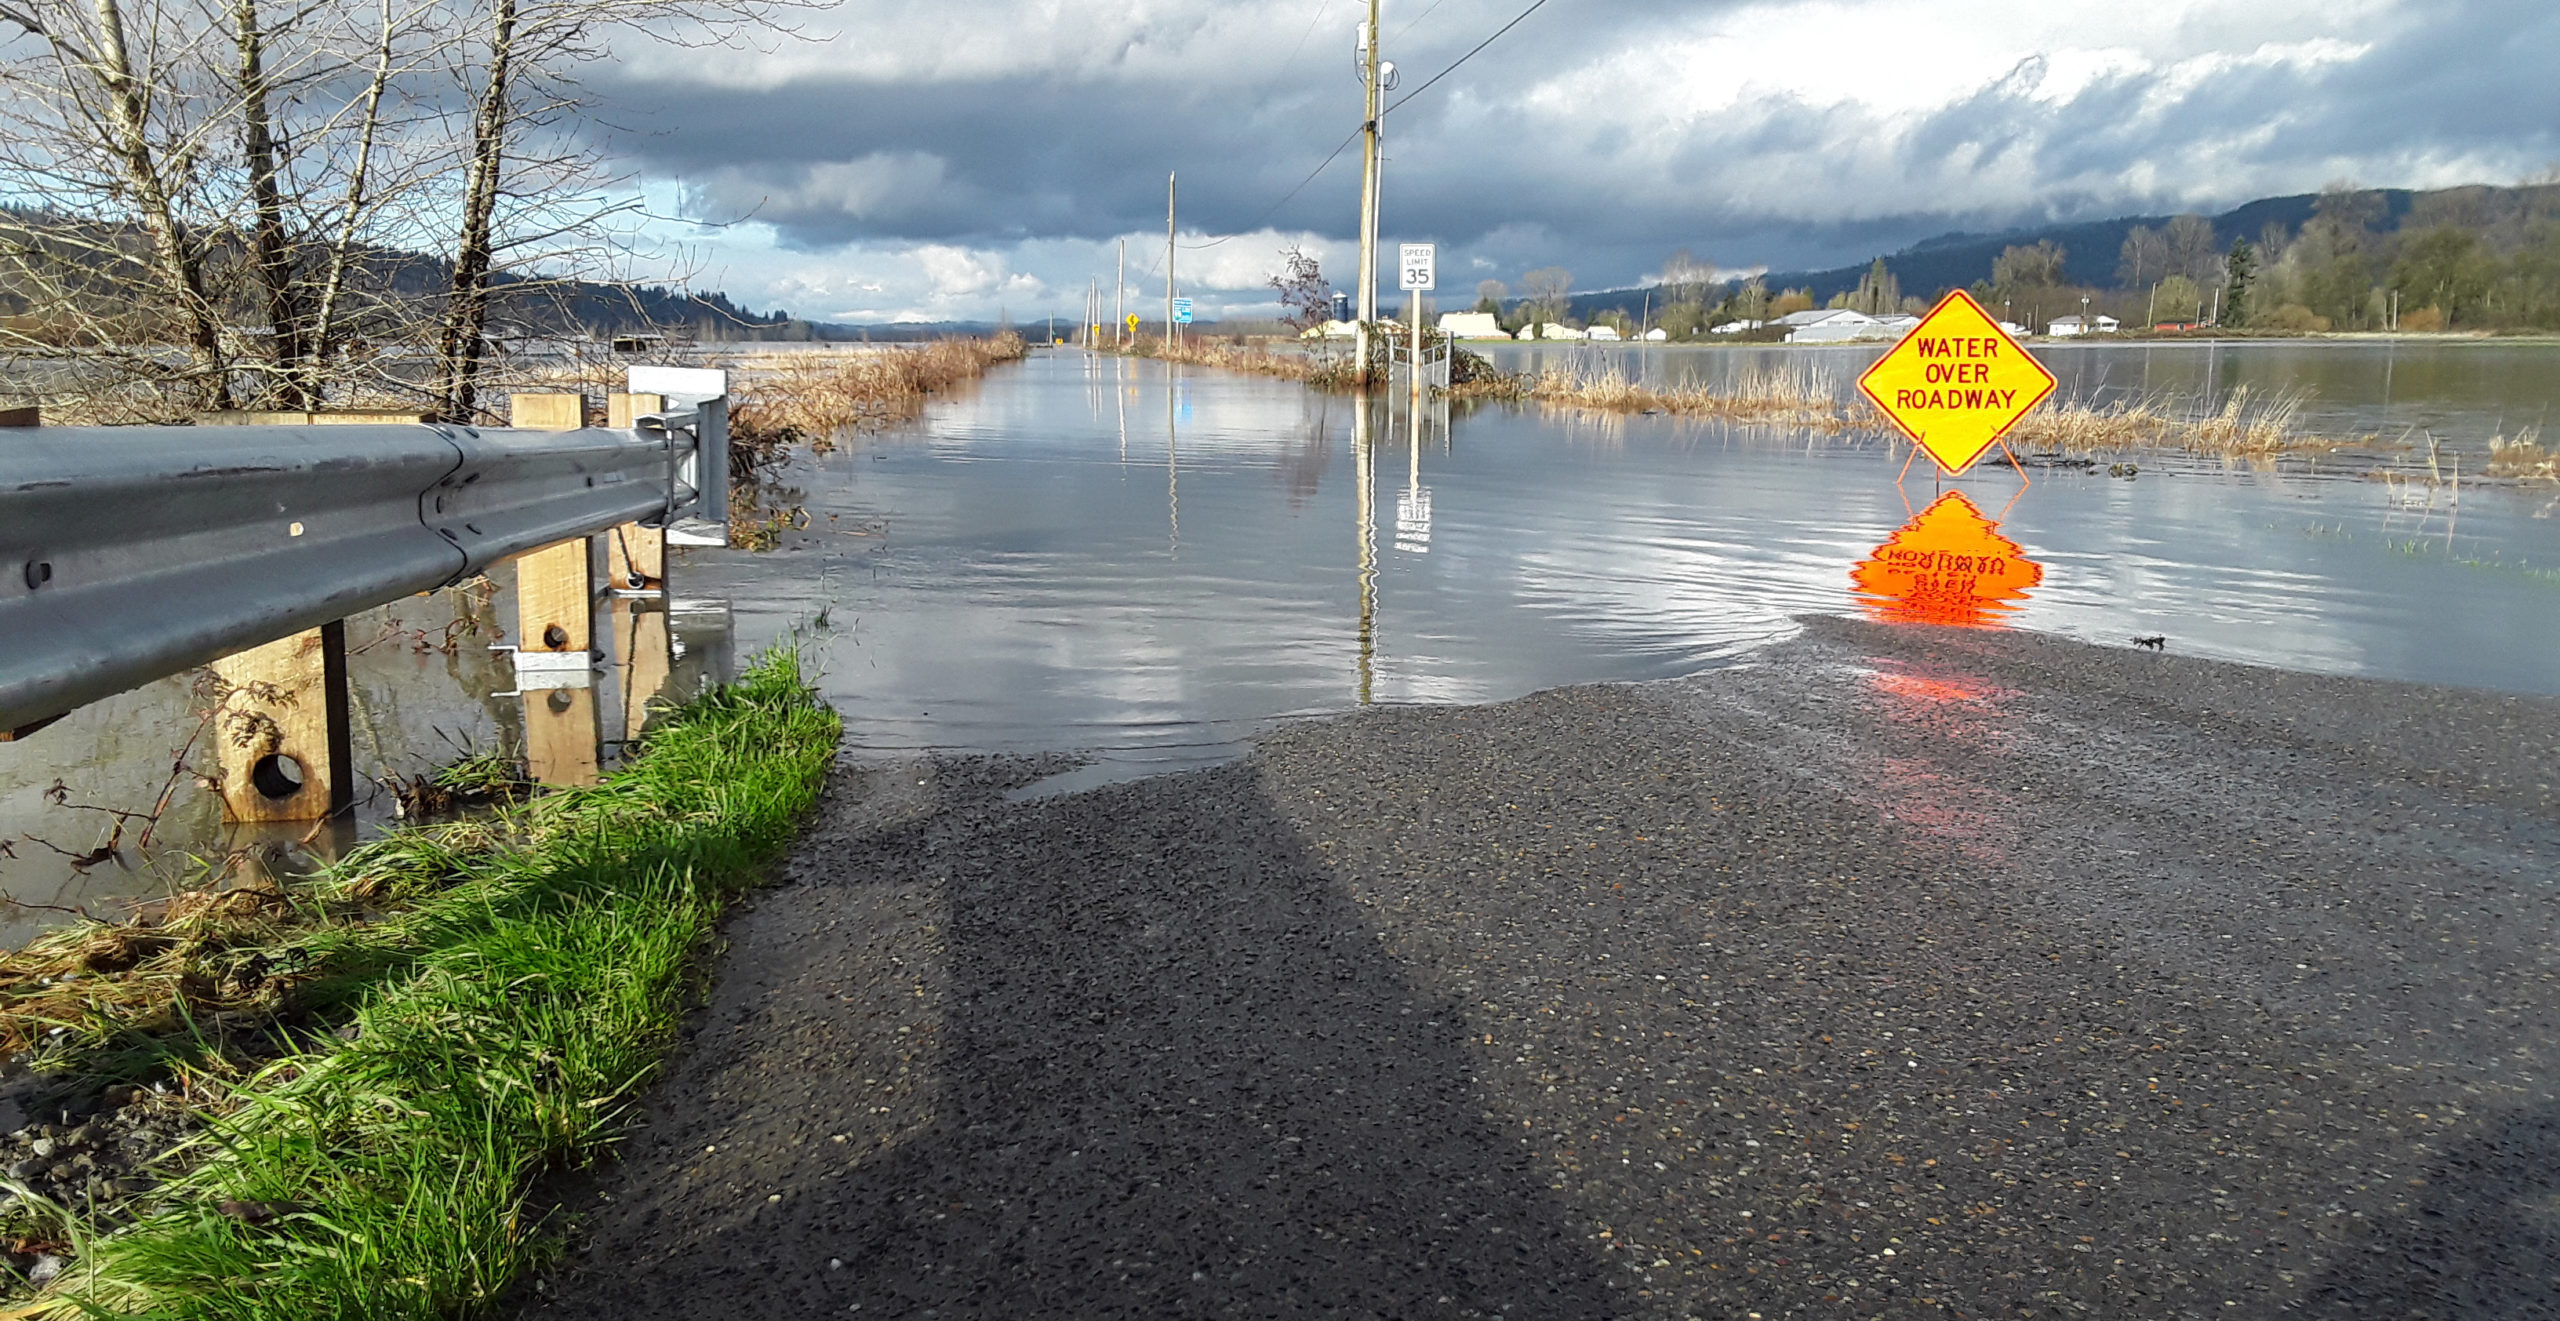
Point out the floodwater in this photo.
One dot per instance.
(2463, 393)
(1151, 563)
(1107, 554)
(424, 688)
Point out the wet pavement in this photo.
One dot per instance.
(1892, 971)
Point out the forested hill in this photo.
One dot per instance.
(2329, 252)
(2090, 249)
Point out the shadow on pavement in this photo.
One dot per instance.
(1176, 1075)
(2480, 1241)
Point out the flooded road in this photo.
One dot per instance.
(1107, 555)
(1097, 553)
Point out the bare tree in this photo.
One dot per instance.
(102, 125)
(1550, 293)
(1686, 279)
(2143, 259)
(2192, 251)
(534, 200)
(1306, 300)
(261, 184)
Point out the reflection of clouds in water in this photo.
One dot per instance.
(1026, 595)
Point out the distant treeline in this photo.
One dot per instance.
(2472, 258)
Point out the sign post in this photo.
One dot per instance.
(1957, 383)
(1416, 271)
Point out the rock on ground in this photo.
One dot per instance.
(1895, 973)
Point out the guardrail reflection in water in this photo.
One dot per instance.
(132, 553)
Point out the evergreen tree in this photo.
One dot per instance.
(2241, 270)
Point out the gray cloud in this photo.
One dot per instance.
(1530, 156)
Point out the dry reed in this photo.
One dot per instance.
(1810, 400)
(1769, 396)
(2524, 458)
(1318, 368)
(819, 397)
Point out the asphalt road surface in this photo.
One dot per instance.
(1898, 972)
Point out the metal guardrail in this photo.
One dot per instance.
(132, 553)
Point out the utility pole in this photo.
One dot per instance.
(1119, 292)
(1369, 155)
(1168, 261)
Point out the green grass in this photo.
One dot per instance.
(505, 1024)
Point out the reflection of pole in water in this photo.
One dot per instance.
(1365, 467)
(1120, 392)
(1172, 465)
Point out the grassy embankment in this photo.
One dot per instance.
(379, 1065)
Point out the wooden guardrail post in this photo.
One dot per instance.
(555, 613)
(281, 729)
(635, 556)
(643, 657)
(281, 726)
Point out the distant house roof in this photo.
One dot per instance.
(2072, 325)
(1835, 325)
(1471, 325)
(1824, 316)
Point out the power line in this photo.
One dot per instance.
(1343, 146)
(1497, 36)
(1417, 19)
(1354, 136)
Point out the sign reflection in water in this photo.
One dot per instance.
(1948, 565)
(1412, 533)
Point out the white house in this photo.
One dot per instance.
(2063, 326)
(1657, 335)
(1332, 330)
(1601, 332)
(1548, 330)
(1736, 327)
(1471, 325)
(1895, 327)
(1832, 326)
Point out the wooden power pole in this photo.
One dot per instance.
(1168, 260)
(1368, 187)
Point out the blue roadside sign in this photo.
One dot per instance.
(1182, 310)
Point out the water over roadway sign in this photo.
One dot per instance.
(1957, 382)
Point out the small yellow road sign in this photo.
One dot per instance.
(1957, 382)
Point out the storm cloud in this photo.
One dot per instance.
(920, 159)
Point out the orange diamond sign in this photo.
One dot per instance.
(1957, 382)
(1948, 565)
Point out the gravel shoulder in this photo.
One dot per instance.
(1900, 972)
